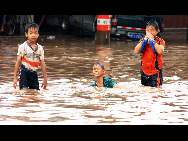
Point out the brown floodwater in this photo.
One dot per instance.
(69, 61)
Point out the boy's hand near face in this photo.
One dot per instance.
(149, 36)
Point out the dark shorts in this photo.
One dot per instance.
(151, 80)
(28, 79)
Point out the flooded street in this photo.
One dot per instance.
(69, 62)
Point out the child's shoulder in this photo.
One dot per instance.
(39, 45)
(23, 44)
(160, 41)
(108, 82)
(158, 38)
(109, 79)
(93, 84)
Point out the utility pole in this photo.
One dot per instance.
(103, 29)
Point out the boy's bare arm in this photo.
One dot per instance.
(43, 66)
(159, 48)
(16, 70)
(138, 48)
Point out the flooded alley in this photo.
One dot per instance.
(69, 60)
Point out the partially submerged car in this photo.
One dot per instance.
(123, 26)
(133, 26)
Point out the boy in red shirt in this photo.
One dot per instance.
(151, 48)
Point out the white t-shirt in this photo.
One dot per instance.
(30, 57)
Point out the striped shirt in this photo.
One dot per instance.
(30, 57)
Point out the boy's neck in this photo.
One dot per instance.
(32, 42)
(99, 81)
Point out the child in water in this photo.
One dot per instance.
(29, 55)
(151, 48)
(101, 81)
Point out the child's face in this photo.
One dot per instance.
(32, 34)
(151, 29)
(98, 71)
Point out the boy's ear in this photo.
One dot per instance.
(26, 34)
(103, 71)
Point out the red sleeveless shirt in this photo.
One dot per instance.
(149, 58)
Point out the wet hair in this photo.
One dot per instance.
(153, 23)
(31, 25)
(99, 65)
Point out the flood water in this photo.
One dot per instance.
(69, 61)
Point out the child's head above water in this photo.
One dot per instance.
(154, 24)
(152, 28)
(98, 70)
(99, 65)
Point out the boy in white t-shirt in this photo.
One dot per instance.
(29, 55)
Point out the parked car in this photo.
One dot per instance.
(86, 23)
(124, 26)
(133, 26)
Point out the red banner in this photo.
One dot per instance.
(103, 22)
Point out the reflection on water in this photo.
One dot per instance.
(69, 62)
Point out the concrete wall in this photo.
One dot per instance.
(174, 21)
